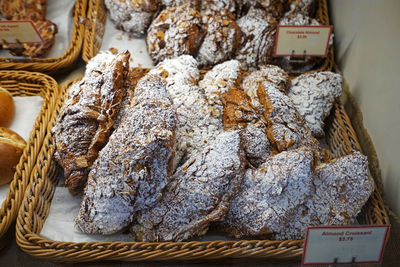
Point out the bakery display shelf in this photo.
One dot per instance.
(97, 17)
(340, 138)
(55, 64)
(23, 83)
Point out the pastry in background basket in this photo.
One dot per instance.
(135, 166)
(86, 118)
(11, 148)
(133, 16)
(313, 95)
(275, 7)
(222, 38)
(305, 7)
(299, 64)
(34, 10)
(341, 188)
(175, 31)
(7, 108)
(258, 38)
(195, 4)
(198, 195)
(233, 6)
(270, 194)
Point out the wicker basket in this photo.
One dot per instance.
(97, 16)
(22, 83)
(35, 209)
(54, 65)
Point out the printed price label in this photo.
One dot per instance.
(302, 40)
(21, 30)
(363, 243)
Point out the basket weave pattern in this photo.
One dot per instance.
(22, 83)
(97, 16)
(55, 64)
(36, 206)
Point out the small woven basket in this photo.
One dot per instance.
(97, 16)
(55, 64)
(35, 209)
(22, 83)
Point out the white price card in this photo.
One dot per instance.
(345, 244)
(302, 41)
(22, 30)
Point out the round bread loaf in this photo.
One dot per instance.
(11, 148)
(7, 108)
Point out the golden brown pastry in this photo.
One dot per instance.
(11, 148)
(86, 118)
(221, 39)
(7, 108)
(136, 164)
(175, 31)
(198, 195)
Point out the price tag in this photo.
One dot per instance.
(344, 245)
(302, 41)
(21, 30)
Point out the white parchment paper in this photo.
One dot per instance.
(59, 12)
(26, 111)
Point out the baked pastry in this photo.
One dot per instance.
(233, 6)
(313, 96)
(258, 38)
(301, 64)
(175, 31)
(136, 164)
(196, 125)
(34, 10)
(305, 7)
(275, 7)
(195, 4)
(342, 187)
(221, 39)
(270, 194)
(7, 108)
(86, 118)
(11, 148)
(198, 195)
(285, 126)
(133, 16)
(256, 144)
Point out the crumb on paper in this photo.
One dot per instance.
(140, 51)
(139, 65)
(113, 50)
(119, 37)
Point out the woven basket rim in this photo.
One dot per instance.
(16, 192)
(97, 15)
(55, 64)
(36, 207)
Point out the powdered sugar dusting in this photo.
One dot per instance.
(270, 194)
(341, 188)
(134, 167)
(313, 95)
(199, 194)
(256, 144)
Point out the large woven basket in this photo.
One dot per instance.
(97, 16)
(55, 64)
(35, 209)
(22, 83)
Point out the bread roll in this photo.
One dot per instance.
(7, 108)
(11, 147)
